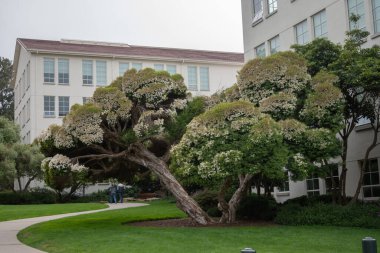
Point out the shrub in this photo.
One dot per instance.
(93, 197)
(256, 207)
(359, 215)
(36, 196)
(208, 201)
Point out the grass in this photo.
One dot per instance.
(14, 212)
(107, 232)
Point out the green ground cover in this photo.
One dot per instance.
(107, 232)
(14, 212)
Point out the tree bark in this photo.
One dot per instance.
(223, 205)
(237, 197)
(142, 156)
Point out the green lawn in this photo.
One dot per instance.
(106, 232)
(14, 212)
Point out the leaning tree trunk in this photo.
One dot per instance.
(140, 155)
(237, 197)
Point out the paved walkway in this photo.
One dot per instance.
(9, 229)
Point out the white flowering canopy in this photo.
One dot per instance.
(229, 139)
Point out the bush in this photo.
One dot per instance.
(256, 207)
(93, 197)
(208, 201)
(359, 215)
(36, 196)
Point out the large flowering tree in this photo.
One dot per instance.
(123, 126)
(230, 141)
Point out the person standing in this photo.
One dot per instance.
(120, 191)
(113, 191)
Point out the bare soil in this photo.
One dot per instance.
(187, 222)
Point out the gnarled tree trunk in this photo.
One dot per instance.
(236, 198)
(140, 155)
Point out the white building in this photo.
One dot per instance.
(270, 26)
(51, 76)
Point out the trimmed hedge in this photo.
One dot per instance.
(37, 196)
(359, 215)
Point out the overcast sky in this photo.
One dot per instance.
(195, 24)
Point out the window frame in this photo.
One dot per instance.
(159, 67)
(369, 173)
(204, 78)
(285, 187)
(123, 70)
(88, 80)
(257, 15)
(168, 66)
(192, 82)
(320, 25)
(304, 34)
(362, 15)
(51, 105)
(314, 180)
(63, 109)
(272, 6)
(139, 64)
(64, 80)
(49, 79)
(263, 49)
(101, 72)
(277, 39)
(376, 20)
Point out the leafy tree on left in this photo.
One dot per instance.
(17, 160)
(6, 92)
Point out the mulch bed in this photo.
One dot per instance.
(187, 222)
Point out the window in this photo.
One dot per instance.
(302, 36)
(260, 51)
(123, 66)
(172, 69)
(332, 178)
(272, 6)
(63, 105)
(204, 79)
(312, 185)
(63, 71)
(274, 44)
(376, 15)
(86, 100)
(357, 7)
(49, 70)
(159, 67)
(87, 71)
(101, 72)
(137, 66)
(192, 76)
(257, 10)
(49, 106)
(285, 185)
(371, 184)
(320, 24)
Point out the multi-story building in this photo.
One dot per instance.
(270, 26)
(50, 76)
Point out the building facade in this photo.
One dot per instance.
(270, 26)
(51, 76)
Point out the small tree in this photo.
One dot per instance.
(231, 141)
(27, 164)
(60, 173)
(6, 91)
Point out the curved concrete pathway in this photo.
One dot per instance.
(9, 229)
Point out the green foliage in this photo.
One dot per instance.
(319, 53)
(36, 196)
(254, 207)
(6, 91)
(208, 200)
(9, 132)
(282, 72)
(176, 127)
(360, 215)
